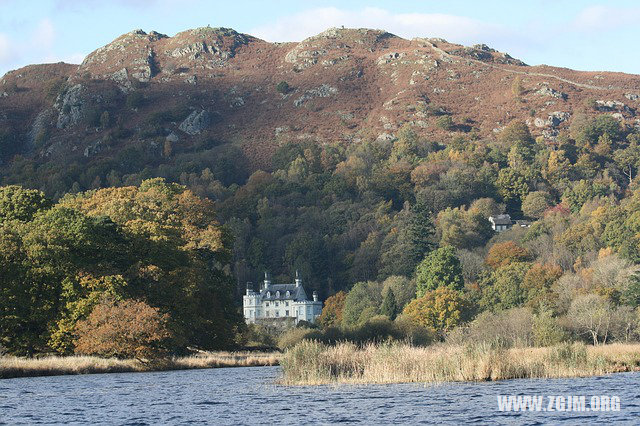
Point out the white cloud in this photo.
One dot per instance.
(606, 17)
(459, 29)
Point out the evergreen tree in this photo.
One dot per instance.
(389, 306)
(421, 230)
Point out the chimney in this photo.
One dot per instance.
(267, 280)
(315, 296)
(298, 279)
(249, 287)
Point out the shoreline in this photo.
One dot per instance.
(17, 367)
(312, 363)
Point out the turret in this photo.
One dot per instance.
(315, 296)
(267, 280)
(298, 279)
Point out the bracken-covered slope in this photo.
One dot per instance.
(341, 85)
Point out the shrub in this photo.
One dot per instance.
(283, 87)
(546, 330)
(509, 328)
(570, 355)
(445, 122)
(127, 329)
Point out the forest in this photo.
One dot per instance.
(385, 230)
(128, 272)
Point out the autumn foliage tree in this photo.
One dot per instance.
(502, 254)
(126, 329)
(439, 310)
(331, 315)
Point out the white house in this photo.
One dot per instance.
(280, 301)
(501, 222)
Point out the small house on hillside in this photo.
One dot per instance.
(501, 222)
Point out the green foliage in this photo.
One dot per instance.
(389, 306)
(441, 268)
(546, 330)
(158, 243)
(536, 203)
(362, 303)
(503, 288)
(17, 203)
(283, 87)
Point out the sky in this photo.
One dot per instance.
(583, 35)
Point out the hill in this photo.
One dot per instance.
(341, 85)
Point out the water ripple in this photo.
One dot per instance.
(239, 396)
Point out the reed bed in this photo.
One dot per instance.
(313, 363)
(11, 367)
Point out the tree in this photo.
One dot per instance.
(127, 329)
(404, 289)
(463, 228)
(628, 160)
(536, 203)
(389, 305)
(591, 314)
(546, 329)
(441, 268)
(503, 289)
(17, 203)
(502, 254)
(331, 315)
(512, 186)
(421, 230)
(439, 310)
(516, 132)
(537, 284)
(362, 303)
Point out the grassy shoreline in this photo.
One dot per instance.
(312, 363)
(13, 367)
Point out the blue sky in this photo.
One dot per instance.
(585, 35)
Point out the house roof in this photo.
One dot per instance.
(295, 293)
(501, 219)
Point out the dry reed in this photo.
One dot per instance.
(62, 365)
(312, 363)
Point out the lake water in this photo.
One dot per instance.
(231, 396)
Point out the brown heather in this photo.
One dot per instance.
(312, 363)
(55, 365)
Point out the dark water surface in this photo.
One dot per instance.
(231, 396)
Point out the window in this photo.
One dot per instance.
(267, 304)
(286, 313)
(278, 294)
(268, 294)
(277, 313)
(288, 293)
(286, 303)
(277, 304)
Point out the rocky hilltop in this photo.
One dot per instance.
(340, 85)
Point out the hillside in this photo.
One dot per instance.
(348, 156)
(344, 85)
